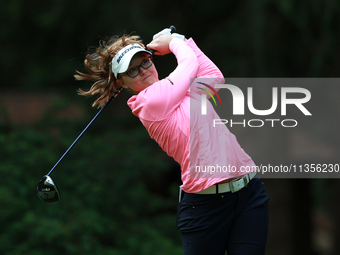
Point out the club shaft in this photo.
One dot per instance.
(75, 141)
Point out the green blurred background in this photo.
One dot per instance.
(118, 188)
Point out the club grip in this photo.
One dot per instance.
(172, 30)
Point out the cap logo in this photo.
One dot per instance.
(126, 51)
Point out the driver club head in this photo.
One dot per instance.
(47, 190)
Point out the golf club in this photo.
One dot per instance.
(47, 190)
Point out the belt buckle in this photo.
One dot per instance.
(235, 188)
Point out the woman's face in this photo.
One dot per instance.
(145, 78)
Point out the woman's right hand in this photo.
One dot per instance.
(161, 44)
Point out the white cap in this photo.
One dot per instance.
(121, 61)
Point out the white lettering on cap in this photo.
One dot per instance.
(126, 51)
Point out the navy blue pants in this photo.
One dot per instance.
(233, 222)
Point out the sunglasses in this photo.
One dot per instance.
(134, 71)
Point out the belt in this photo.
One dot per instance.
(232, 186)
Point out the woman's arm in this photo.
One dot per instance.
(160, 99)
(206, 67)
(208, 73)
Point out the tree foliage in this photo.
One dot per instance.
(118, 189)
(107, 186)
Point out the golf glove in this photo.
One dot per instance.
(166, 31)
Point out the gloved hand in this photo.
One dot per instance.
(166, 31)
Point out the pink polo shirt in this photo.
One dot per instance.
(170, 111)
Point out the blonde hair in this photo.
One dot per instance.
(98, 65)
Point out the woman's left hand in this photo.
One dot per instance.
(161, 44)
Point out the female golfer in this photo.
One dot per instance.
(223, 209)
